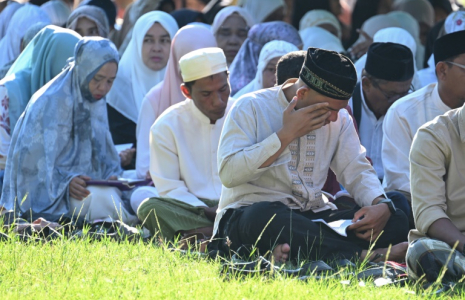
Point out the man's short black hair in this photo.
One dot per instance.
(191, 83)
(289, 66)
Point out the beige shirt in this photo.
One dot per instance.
(183, 149)
(437, 164)
(249, 138)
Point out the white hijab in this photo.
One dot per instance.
(320, 16)
(392, 35)
(226, 12)
(6, 15)
(260, 10)
(320, 38)
(410, 24)
(375, 24)
(134, 79)
(269, 51)
(24, 18)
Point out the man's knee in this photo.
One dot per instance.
(150, 207)
(260, 214)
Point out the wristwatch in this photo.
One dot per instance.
(390, 204)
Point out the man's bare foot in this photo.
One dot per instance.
(281, 252)
(396, 253)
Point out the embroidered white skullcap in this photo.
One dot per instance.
(202, 63)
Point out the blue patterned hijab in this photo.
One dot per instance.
(62, 133)
(244, 66)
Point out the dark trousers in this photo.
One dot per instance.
(267, 224)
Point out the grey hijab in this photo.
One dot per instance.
(63, 133)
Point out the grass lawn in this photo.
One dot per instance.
(81, 269)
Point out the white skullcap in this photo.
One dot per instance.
(202, 63)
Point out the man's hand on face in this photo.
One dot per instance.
(374, 220)
(297, 123)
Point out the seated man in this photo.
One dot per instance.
(274, 155)
(183, 146)
(387, 76)
(409, 113)
(437, 166)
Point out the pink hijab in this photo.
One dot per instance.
(168, 92)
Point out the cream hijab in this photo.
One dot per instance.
(320, 16)
(134, 79)
(269, 51)
(320, 38)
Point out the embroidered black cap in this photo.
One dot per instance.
(449, 45)
(390, 61)
(329, 73)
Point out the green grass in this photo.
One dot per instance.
(83, 269)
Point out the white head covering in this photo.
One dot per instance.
(455, 22)
(410, 24)
(202, 63)
(259, 9)
(392, 35)
(269, 51)
(223, 14)
(376, 23)
(134, 78)
(320, 38)
(57, 11)
(6, 15)
(421, 10)
(24, 18)
(320, 16)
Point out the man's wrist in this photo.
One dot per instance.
(284, 138)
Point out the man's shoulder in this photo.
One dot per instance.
(411, 101)
(172, 113)
(256, 98)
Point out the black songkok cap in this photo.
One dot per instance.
(390, 61)
(329, 73)
(449, 45)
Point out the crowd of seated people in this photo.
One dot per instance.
(231, 126)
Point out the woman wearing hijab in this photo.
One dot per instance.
(89, 20)
(142, 67)
(323, 19)
(244, 66)
(62, 141)
(25, 17)
(57, 11)
(422, 11)
(230, 28)
(266, 69)
(318, 37)
(273, 10)
(167, 92)
(6, 15)
(301, 7)
(45, 57)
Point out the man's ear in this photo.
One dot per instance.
(301, 92)
(441, 70)
(185, 91)
(366, 84)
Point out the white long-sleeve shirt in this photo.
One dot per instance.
(371, 134)
(401, 123)
(183, 150)
(249, 138)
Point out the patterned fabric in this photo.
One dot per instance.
(63, 133)
(93, 13)
(301, 168)
(426, 257)
(4, 116)
(244, 66)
